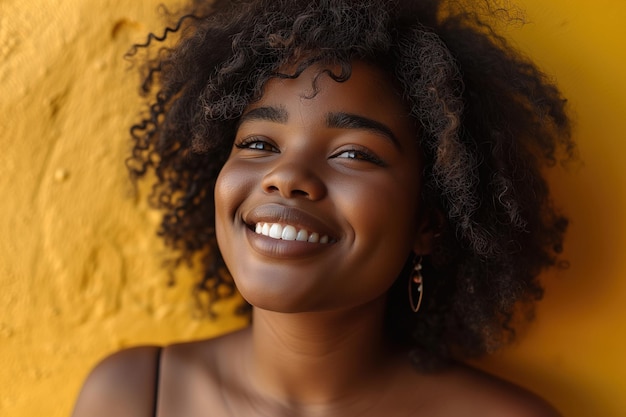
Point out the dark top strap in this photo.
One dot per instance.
(157, 379)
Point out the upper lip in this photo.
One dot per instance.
(300, 219)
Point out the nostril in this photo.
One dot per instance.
(289, 193)
(299, 193)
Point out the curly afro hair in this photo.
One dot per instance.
(490, 122)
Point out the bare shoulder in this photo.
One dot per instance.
(194, 374)
(123, 384)
(204, 355)
(489, 396)
(178, 378)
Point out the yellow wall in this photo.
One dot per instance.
(575, 353)
(80, 271)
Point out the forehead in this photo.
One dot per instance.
(368, 91)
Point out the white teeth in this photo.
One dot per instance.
(289, 232)
(276, 231)
(303, 235)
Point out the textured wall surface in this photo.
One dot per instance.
(80, 268)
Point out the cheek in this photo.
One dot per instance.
(382, 216)
(222, 195)
(384, 210)
(221, 198)
(231, 187)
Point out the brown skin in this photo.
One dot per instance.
(307, 166)
(316, 345)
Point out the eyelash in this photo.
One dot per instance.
(360, 154)
(249, 143)
(357, 153)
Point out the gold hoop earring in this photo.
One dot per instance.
(416, 280)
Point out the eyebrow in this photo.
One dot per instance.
(343, 120)
(271, 114)
(339, 120)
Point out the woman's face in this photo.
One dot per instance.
(317, 206)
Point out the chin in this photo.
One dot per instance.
(278, 305)
(272, 296)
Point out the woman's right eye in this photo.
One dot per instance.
(257, 144)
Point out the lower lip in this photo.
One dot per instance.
(283, 249)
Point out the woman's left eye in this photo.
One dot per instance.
(359, 155)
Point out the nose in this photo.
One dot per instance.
(294, 180)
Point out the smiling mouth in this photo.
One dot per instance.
(288, 232)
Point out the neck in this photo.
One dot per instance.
(317, 357)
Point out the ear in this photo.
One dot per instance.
(430, 224)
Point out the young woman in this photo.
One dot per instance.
(368, 175)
